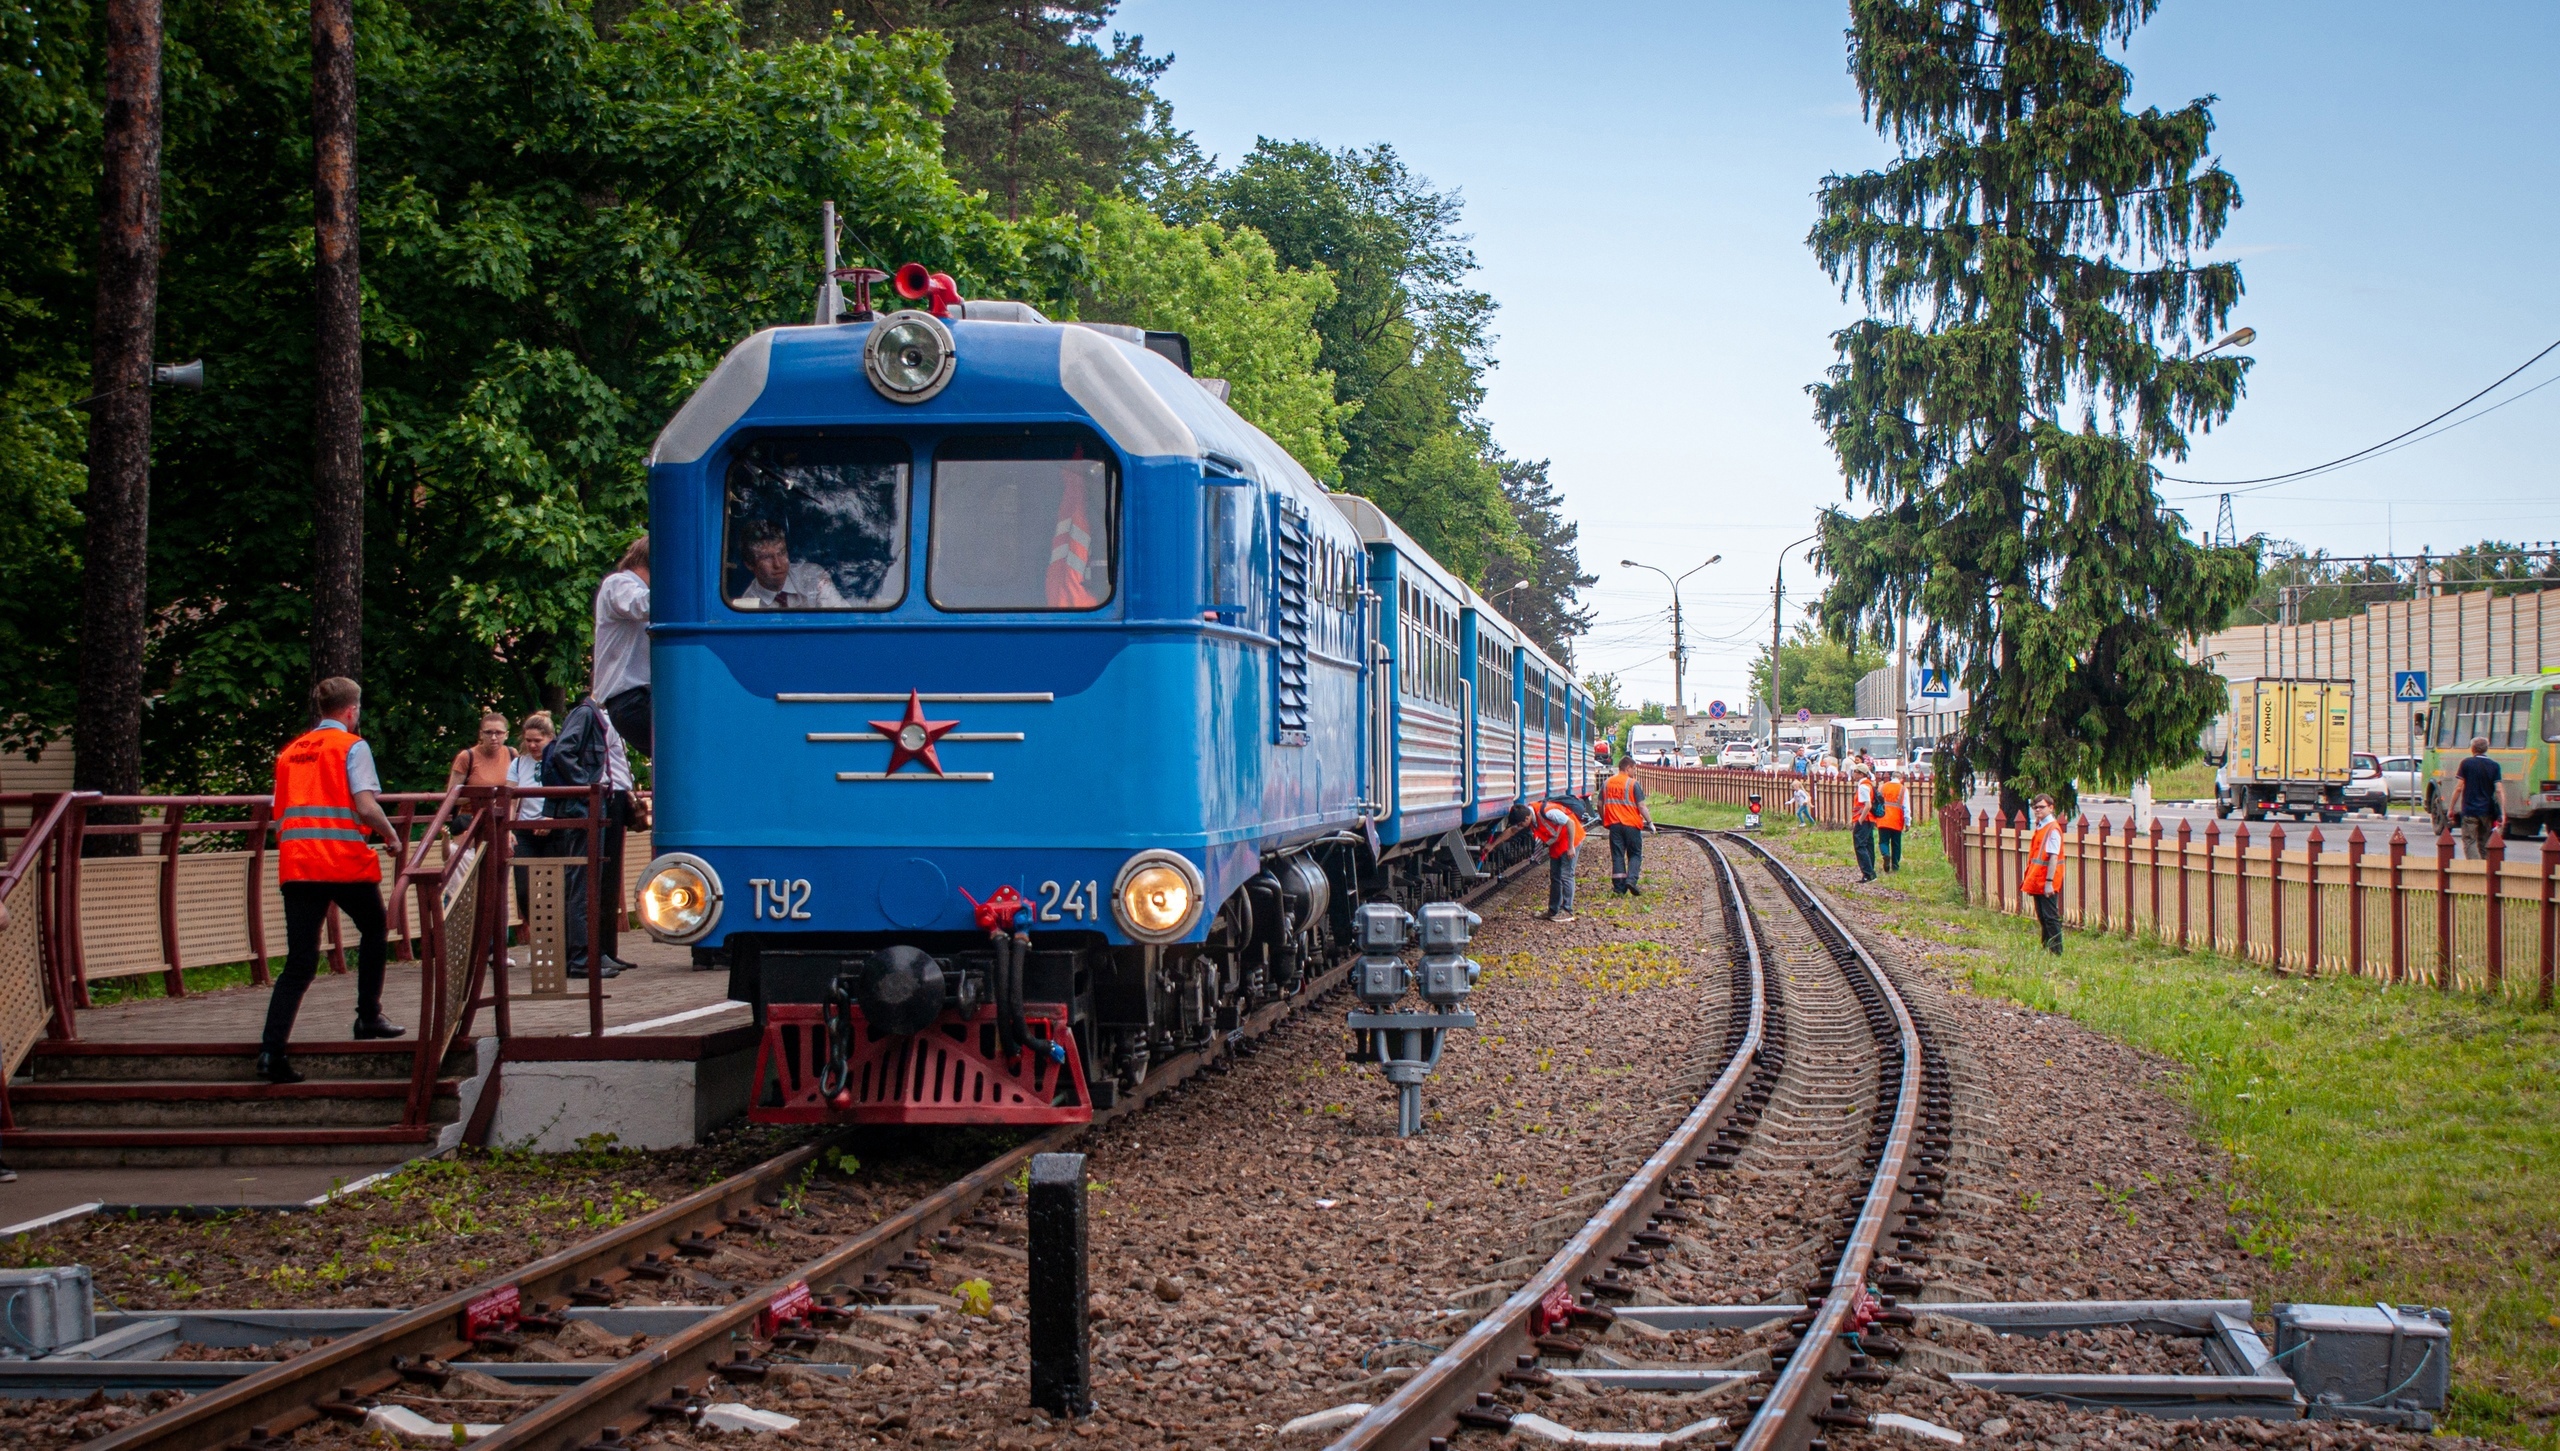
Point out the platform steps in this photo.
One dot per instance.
(166, 1105)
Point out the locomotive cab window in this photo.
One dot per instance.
(1023, 523)
(815, 524)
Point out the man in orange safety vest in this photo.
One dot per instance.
(2042, 881)
(1889, 821)
(1556, 826)
(325, 804)
(1862, 821)
(1622, 810)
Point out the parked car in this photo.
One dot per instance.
(1739, 753)
(2404, 777)
(1688, 758)
(2366, 790)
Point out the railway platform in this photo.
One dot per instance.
(154, 1101)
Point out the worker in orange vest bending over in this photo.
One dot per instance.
(2042, 883)
(1556, 826)
(326, 802)
(1622, 810)
(1889, 821)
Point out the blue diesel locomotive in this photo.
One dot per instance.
(1025, 716)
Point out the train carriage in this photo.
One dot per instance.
(1025, 716)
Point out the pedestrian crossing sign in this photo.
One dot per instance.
(2409, 687)
(1933, 683)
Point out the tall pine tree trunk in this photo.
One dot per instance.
(113, 596)
(337, 473)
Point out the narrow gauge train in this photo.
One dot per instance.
(1024, 716)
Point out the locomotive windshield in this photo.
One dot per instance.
(816, 524)
(1022, 524)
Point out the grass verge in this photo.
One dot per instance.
(2386, 1143)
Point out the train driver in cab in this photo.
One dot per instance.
(774, 582)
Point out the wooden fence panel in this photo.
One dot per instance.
(2346, 909)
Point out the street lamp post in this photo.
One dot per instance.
(1777, 627)
(1679, 650)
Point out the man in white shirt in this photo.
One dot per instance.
(622, 646)
(777, 583)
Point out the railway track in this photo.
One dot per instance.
(673, 1377)
(1801, 981)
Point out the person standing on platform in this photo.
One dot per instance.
(1862, 825)
(487, 763)
(622, 647)
(326, 801)
(1622, 810)
(1890, 821)
(588, 750)
(2042, 880)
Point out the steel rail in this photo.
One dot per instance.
(282, 1396)
(285, 1396)
(1783, 1419)
(679, 1368)
(1426, 1405)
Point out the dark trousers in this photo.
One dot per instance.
(2049, 920)
(617, 811)
(1626, 857)
(306, 907)
(1889, 849)
(1863, 835)
(630, 712)
(1560, 883)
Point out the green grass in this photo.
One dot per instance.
(2386, 1143)
(2190, 782)
(141, 985)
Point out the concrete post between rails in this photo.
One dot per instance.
(1061, 1342)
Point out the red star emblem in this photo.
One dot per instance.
(912, 739)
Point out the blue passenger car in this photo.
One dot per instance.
(1025, 716)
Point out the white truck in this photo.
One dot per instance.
(1654, 745)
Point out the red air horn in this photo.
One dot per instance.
(938, 291)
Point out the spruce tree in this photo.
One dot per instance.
(2030, 264)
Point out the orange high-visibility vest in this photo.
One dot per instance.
(317, 834)
(1862, 803)
(1618, 802)
(2044, 861)
(1889, 812)
(1558, 840)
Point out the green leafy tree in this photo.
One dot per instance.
(1818, 673)
(1609, 710)
(564, 230)
(1043, 114)
(1549, 609)
(1405, 338)
(1250, 320)
(2030, 258)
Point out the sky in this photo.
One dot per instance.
(1639, 180)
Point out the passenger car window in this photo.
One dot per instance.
(1023, 523)
(815, 524)
(2550, 720)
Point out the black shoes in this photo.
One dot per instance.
(608, 971)
(8, 1175)
(376, 1027)
(276, 1068)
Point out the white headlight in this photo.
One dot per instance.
(679, 898)
(1158, 896)
(909, 356)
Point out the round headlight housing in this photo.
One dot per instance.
(1158, 896)
(679, 898)
(909, 356)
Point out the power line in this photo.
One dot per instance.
(2236, 485)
